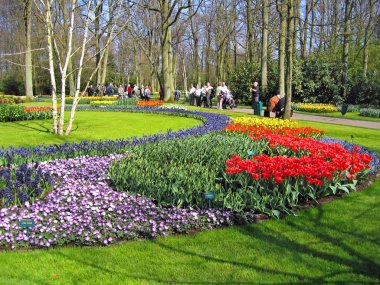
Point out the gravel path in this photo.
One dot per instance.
(348, 122)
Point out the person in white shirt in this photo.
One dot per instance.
(220, 92)
(192, 95)
(198, 93)
(208, 95)
(120, 91)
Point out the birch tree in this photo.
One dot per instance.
(63, 58)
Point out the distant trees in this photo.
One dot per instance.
(170, 44)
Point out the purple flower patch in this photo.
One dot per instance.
(82, 209)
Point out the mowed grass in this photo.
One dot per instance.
(349, 115)
(92, 125)
(334, 243)
(367, 137)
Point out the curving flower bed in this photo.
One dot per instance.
(19, 155)
(82, 208)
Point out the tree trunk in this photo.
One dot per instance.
(249, 31)
(166, 50)
(208, 52)
(71, 79)
(28, 54)
(264, 49)
(289, 56)
(334, 33)
(367, 36)
(282, 44)
(78, 81)
(305, 30)
(98, 12)
(170, 65)
(311, 43)
(346, 46)
(136, 65)
(322, 41)
(51, 66)
(105, 63)
(296, 25)
(65, 66)
(194, 33)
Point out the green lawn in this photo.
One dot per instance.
(367, 137)
(334, 243)
(90, 126)
(350, 115)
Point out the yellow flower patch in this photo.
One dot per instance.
(271, 123)
(102, 103)
(315, 108)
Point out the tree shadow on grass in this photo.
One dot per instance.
(136, 276)
(357, 262)
(271, 272)
(41, 127)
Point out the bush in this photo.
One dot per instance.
(241, 81)
(368, 112)
(321, 82)
(366, 91)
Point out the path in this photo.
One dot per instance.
(331, 120)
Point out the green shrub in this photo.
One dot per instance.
(368, 112)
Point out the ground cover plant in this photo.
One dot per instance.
(368, 112)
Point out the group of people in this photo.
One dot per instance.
(276, 103)
(204, 95)
(101, 90)
(126, 91)
(145, 92)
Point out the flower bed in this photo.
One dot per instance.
(6, 99)
(11, 112)
(270, 170)
(21, 185)
(270, 123)
(103, 103)
(20, 155)
(82, 209)
(150, 103)
(95, 98)
(315, 108)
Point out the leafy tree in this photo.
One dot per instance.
(241, 81)
(321, 82)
